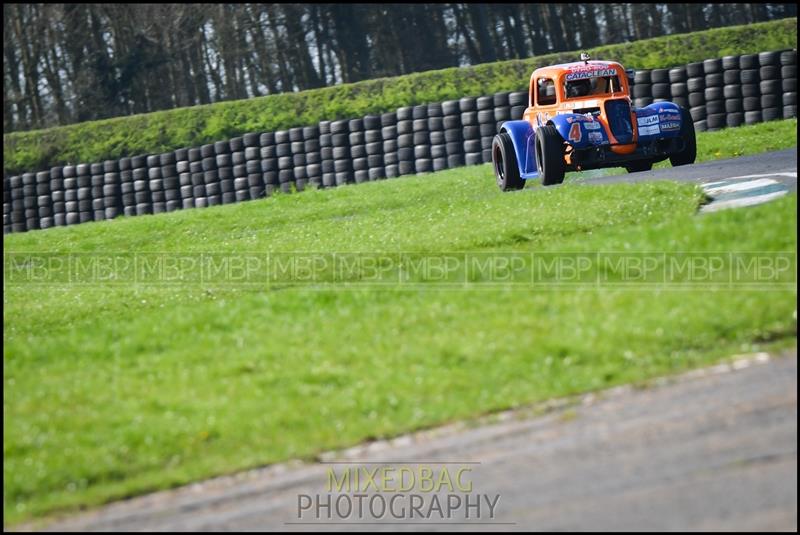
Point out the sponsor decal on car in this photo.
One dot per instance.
(591, 125)
(669, 117)
(595, 137)
(542, 118)
(575, 133)
(649, 130)
(647, 120)
(671, 125)
(589, 73)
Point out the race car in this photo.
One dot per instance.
(579, 117)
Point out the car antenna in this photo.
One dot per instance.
(585, 58)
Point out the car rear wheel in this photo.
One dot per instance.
(504, 161)
(689, 152)
(550, 155)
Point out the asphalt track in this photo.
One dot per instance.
(780, 164)
(713, 450)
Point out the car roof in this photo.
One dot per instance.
(576, 67)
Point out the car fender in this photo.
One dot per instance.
(523, 139)
(658, 121)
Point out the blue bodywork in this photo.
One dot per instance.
(658, 121)
(523, 137)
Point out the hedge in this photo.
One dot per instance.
(182, 127)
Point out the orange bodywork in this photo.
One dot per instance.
(539, 113)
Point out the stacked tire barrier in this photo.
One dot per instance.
(728, 91)
(719, 93)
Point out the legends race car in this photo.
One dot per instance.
(579, 117)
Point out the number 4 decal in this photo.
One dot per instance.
(575, 133)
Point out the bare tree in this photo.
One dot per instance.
(66, 63)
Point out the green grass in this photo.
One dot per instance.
(747, 140)
(116, 390)
(172, 129)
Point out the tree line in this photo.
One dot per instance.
(68, 63)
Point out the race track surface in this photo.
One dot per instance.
(731, 183)
(780, 164)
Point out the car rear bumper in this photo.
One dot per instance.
(602, 156)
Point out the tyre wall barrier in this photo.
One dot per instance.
(719, 93)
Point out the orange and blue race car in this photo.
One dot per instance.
(579, 117)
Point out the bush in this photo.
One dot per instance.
(171, 129)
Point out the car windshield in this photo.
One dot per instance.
(601, 85)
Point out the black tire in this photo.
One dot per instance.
(769, 72)
(749, 76)
(752, 117)
(770, 114)
(769, 58)
(698, 113)
(389, 132)
(500, 99)
(733, 105)
(748, 61)
(696, 85)
(751, 104)
(639, 166)
(466, 104)
(715, 80)
(730, 62)
(436, 124)
(642, 90)
(735, 119)
(695, 69)
(486, 117)
(731, 77)
(732, 91)
(338, 127)
(518, 98)
(677, 75)
(659, 76)
(450, 107)
(373, 122)
(550, 155)
(434, 110)
(641, 77)
(770, 101)
(711, 66)
(715, 106)
(750, 90)
(689, 152)
(504, 160)
(237, 144)
(660, 90)
(697, 99)
(714, 93)
(678, 89)
(268, 138)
